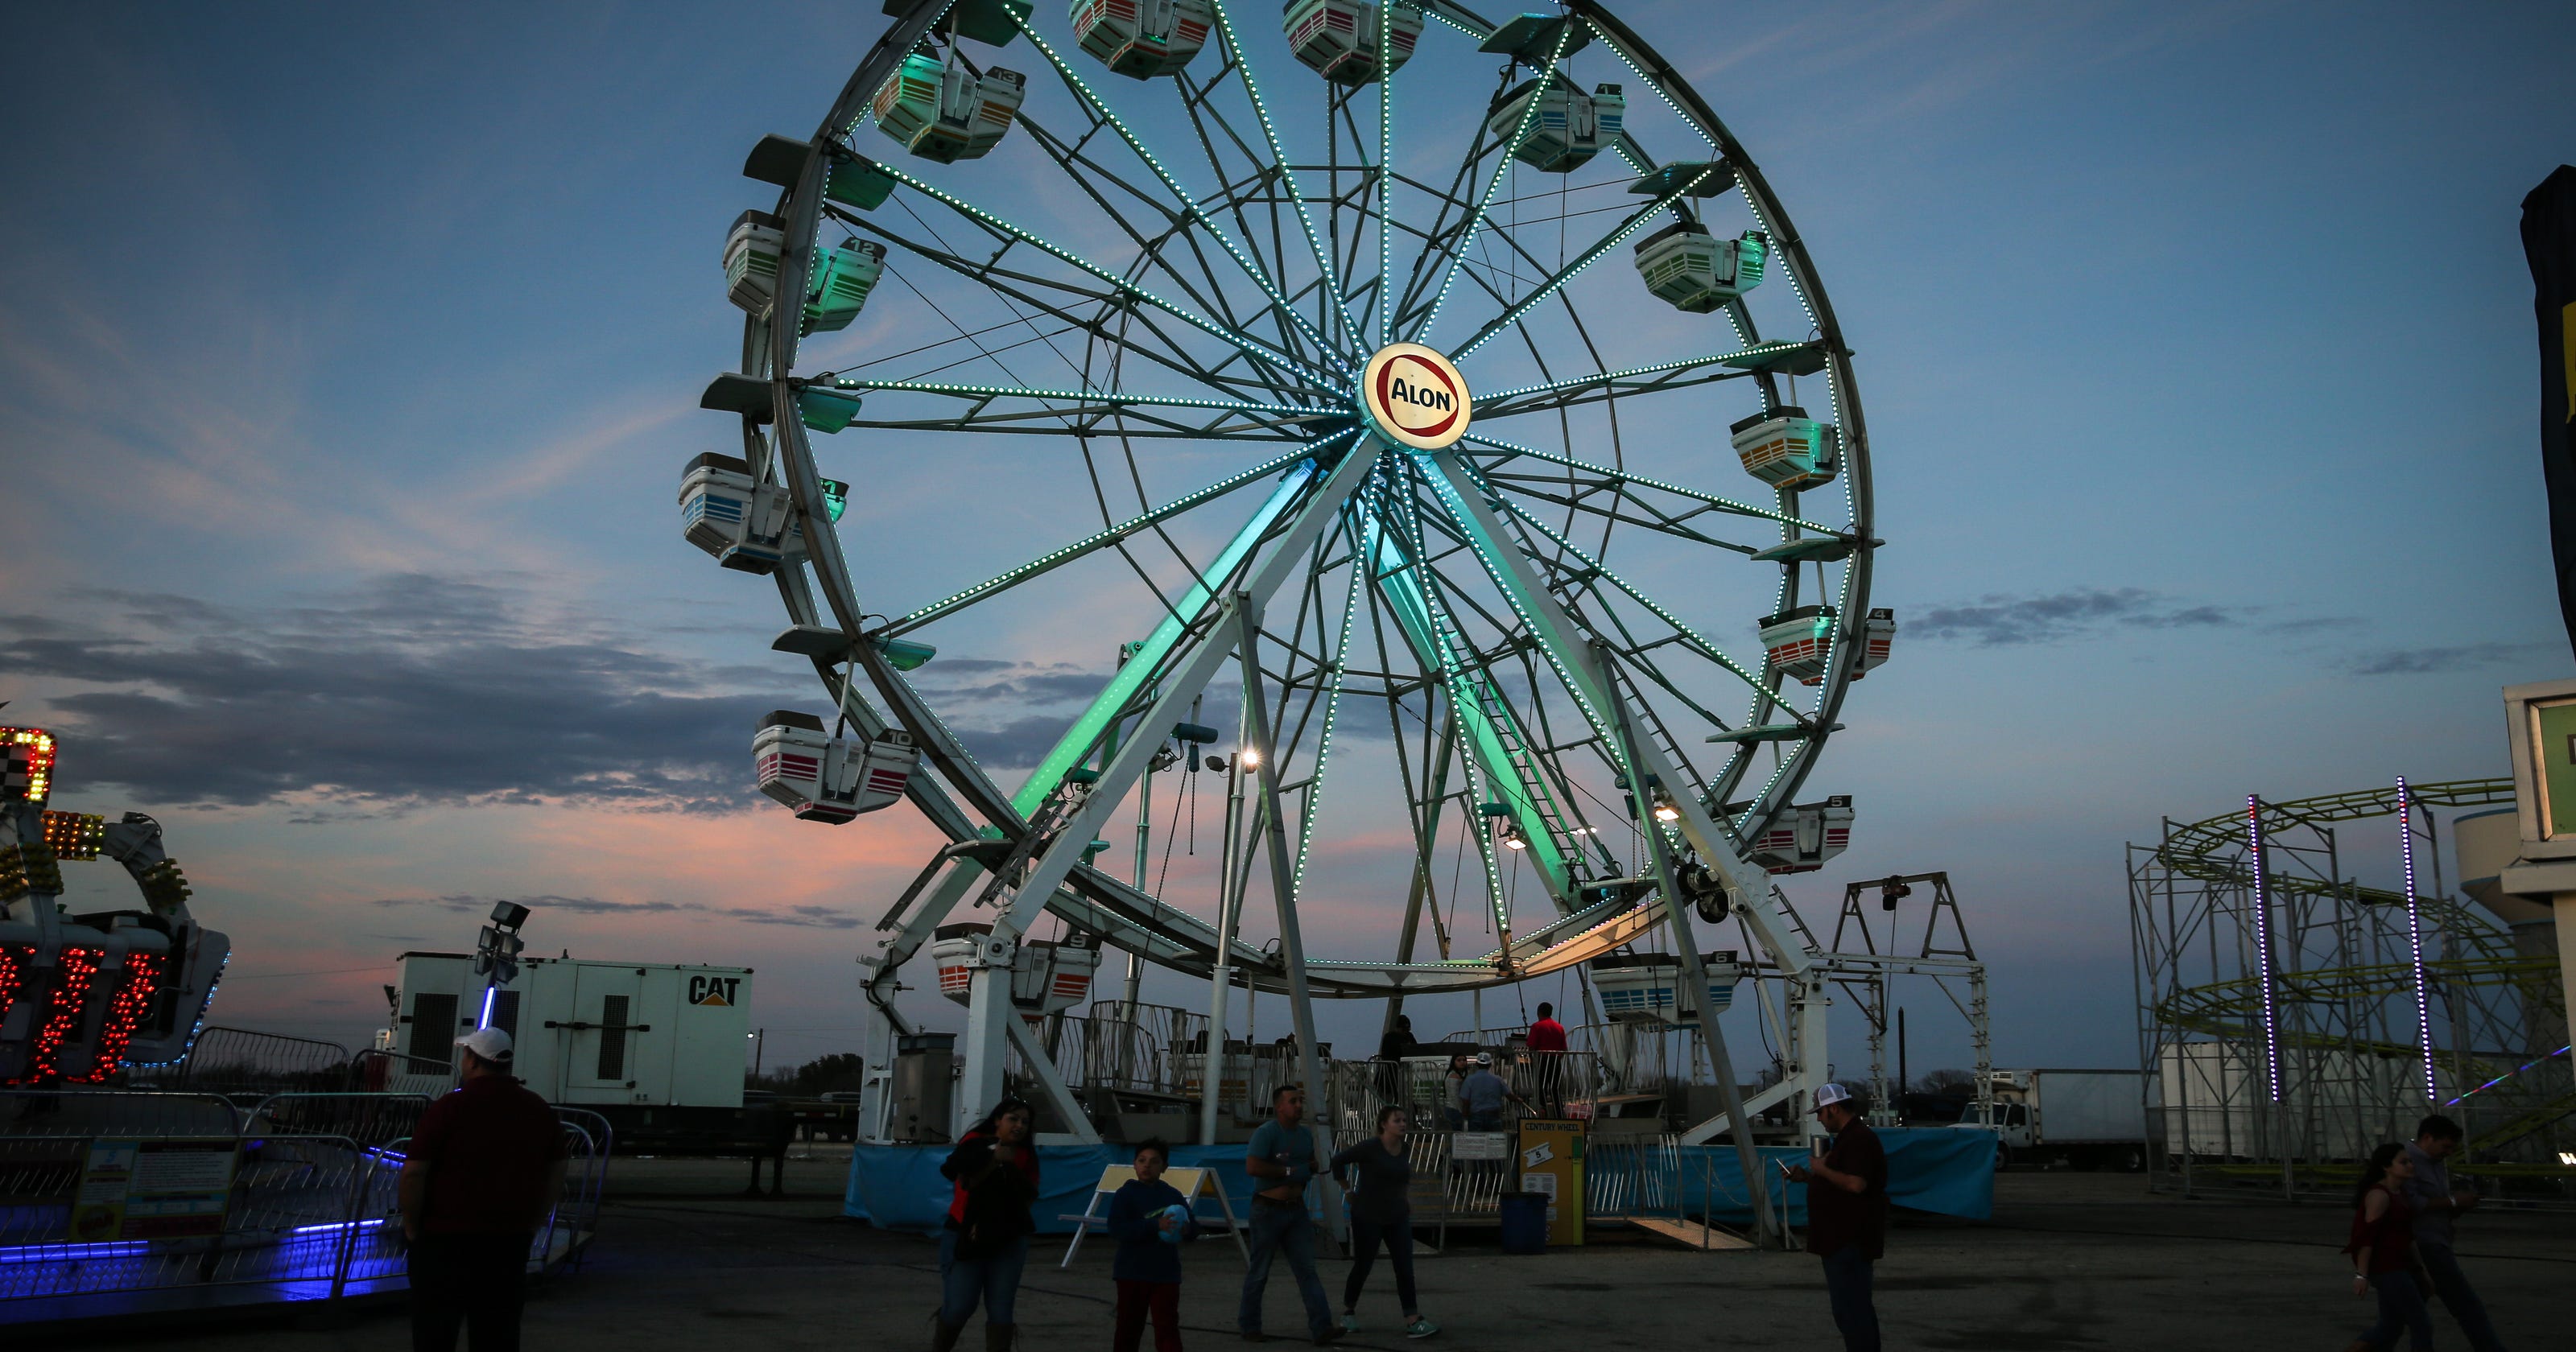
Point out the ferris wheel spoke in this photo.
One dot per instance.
(1270, 285)
(1503, 452)
(1502, 165)
(1105, 399)
(1411, 594)
(1655, 379)
(1199, 602)
(1494, 738)
(1593, 567)
(1035, 292)
(1155, 248)
(1613, 507)
(1278, 157)
(1091, 544)
(1257, 351)
(1439, 237)
(1583, 260)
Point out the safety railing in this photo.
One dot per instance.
(164, 1201)
(1542, 1084)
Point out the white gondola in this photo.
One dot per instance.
(943, 112)
(1142, 38)
(1787, 449)
(1799, 641)
(1339, 38)
(1566, 129)
(1877, 636)
(830, 779)
(1046, 977)
(1696, 271)
(751, 255)
(745, 525)
(1801, 839)
(1646, 987)
(841, 285)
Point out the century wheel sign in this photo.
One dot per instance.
(1438, 416)
(1415, 396)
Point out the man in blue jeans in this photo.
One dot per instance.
(1281, 1160)
(2437, 1206)
(1847, 1213)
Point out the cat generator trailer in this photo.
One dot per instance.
(659, 1049)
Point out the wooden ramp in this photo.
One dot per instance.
(1689, 1234)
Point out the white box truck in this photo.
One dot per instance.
(656, 1048)
(2091, 1119)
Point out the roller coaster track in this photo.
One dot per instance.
(2213, 850)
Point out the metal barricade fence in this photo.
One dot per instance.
(1632, 1176)
(115, 1112)
(239, 1061)
(369, 1119)
(302, 1215)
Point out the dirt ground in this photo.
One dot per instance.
(2070, 1260)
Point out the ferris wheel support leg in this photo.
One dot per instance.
(1068, 1109)
(1283, 890)
(988, 1021)
(1694, 986)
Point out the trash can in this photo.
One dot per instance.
(1524, 1217)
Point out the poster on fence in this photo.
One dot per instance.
(165, 1189)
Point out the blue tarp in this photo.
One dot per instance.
(898, 1187)
(1931, 1169)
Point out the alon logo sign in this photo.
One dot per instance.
(1415, 396)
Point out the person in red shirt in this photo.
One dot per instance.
(2382, 1248)
(1847, 1213)
(1546, 1043)
(482, 1172)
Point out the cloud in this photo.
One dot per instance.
(408, 690)
(2457, 657)
(811, 917)
(2004, 621)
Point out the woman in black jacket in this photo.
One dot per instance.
(1382, 1209)
(986, 1240)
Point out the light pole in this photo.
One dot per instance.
(759, 1039)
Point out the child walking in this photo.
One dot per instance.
(1148, 1266)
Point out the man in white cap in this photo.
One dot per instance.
(484, 1168)
(1847, 1215)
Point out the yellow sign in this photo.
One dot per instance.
(1551, 1162)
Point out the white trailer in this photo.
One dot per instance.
(2088, 1118)
(587, 1033)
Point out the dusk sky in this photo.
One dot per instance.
(348, 362)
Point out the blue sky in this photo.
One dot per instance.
(346, 366)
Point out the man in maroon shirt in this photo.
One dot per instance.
(1847, 1215)
(484, 1168)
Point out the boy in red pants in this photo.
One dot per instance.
(1148, 1266)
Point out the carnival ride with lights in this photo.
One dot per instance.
(2291, 1017)
(1485, 590)
(83, 997)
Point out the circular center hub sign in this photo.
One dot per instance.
(1415, 396)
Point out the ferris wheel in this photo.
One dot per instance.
(1418, 394)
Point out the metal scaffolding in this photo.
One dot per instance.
(2290, 1018)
